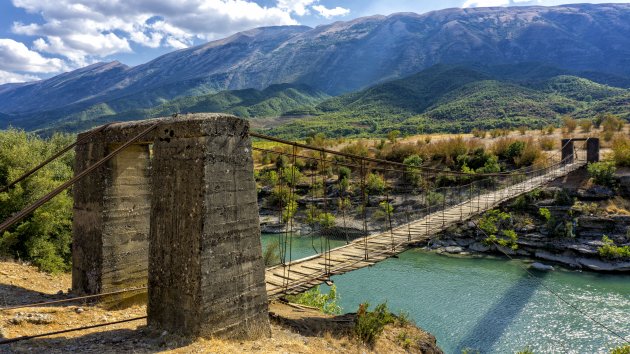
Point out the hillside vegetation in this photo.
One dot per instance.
(460, 99)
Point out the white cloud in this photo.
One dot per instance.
(9, 77)
(300, 7)
(328, 13)
(485, 3)
(16, 57)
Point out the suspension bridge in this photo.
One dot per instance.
(423, 213)
(196, 230)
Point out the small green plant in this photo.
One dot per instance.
(545, 213)
(271, 255)
(526, 350)
(434, 198)
(621, 350)
(375, 184)
(327, 303)
(493, 221)
(602, 173)
(404, 340)
(611, 251)
(326, 220)
(370, 324)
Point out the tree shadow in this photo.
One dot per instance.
(140, 340)
(494, 323)
(12, 295)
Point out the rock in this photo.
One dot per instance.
(478, 247)
(464, 241)
(570, 261)
(60, 292)
(598, 265)
(34, 318)
(540, 266)
(79, 310)
(453, 249)
(624, 186)
(595, 192)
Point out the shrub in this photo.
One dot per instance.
(621, 151)
(326, 220)
(612, 123)
(413, 175)
(478, 133)
(494, 220)
(585, 125)
(271, 255)
(602, 173)
(550, 129)
(393, 135)
(569, 124)
(327, 303)
(434, 198)
(522, 129)
(611, 251)
(375, 184)
(547, 143)
(291, 175)
(344, 173)
(369, 325)
(359, 148)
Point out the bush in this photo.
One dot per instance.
(611, 251)
(413, 174)
(327, 303)
(344, 173)
(494, 220)
(478, 133)
(585, 125)
(435, 198)
(44, 237)
(569, 124)
(375, 184)
(369, 325)
(621, 151)
(547, 143)
(326, 220)
(271, 254)
(602, 173)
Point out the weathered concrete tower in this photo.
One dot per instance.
(183, 218)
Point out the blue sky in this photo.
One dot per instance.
(42, 38)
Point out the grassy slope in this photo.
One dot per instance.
(451, 98)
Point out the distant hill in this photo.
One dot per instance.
(345, 57)
(249, 103)
(456, 98)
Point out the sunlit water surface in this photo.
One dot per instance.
(488, 304)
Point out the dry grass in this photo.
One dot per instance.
(20, 283)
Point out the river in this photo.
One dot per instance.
(489, 304)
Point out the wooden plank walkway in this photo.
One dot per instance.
(303, 274)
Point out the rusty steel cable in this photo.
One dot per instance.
(29, 209)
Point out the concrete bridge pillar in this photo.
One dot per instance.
(204, 262)
(592, 150)
(567, 151)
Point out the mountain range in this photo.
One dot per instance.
(358, 57)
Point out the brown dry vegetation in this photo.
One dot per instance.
(295, 329)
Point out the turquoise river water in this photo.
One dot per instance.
(489, 304)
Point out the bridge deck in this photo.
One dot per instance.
(303, 274)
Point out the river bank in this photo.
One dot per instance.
(295, 329)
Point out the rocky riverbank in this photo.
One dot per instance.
(579, 216)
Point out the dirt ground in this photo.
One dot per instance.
(295, 328)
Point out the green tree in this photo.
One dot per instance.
(45, 236)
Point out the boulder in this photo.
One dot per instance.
(596, 192)
(453, 249)
(478, 247)
(624, 186)
(598, 265)
(541, 266)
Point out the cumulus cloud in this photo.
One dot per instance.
(16, 57)
(84, 31)
(9, 77)
(328, 13)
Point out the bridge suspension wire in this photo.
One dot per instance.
(82, 328)
(29, 209)
(54, 157)
(554, 293)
